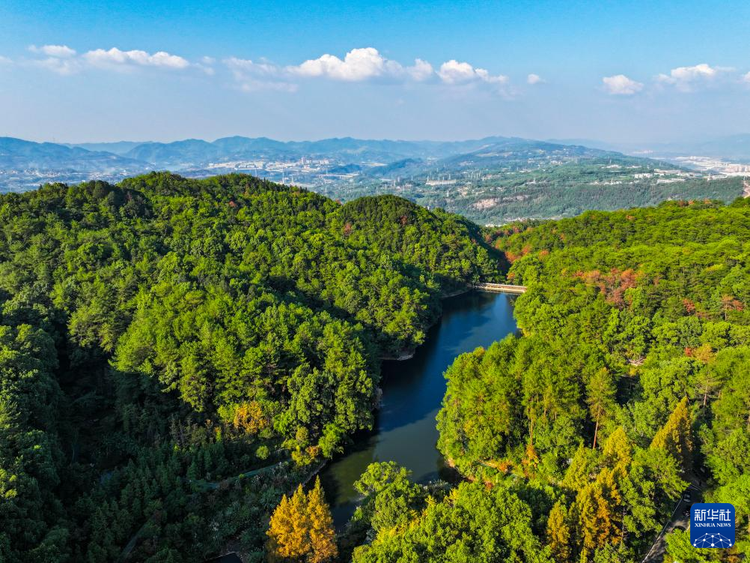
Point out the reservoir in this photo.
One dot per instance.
(404, 429)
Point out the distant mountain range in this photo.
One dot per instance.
(492, 180)
(69, 162)
(24, 164)
(16, 154)
(193, 153)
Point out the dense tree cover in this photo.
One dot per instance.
(630, 374)
(542, 185)
(166, 344)
(407, 522)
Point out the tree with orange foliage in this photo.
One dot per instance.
(322, 534)
(301, 528)
(250, 418)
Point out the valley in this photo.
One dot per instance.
(491, 181)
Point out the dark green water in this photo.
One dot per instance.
(413, 389)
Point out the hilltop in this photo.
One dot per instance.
(493, 180)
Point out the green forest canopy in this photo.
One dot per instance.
(630, 379)
(168, 345)
(162, 336)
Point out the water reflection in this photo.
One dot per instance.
(412, 392)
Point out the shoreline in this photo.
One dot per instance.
(408, 353)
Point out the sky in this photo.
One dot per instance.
(616, 71)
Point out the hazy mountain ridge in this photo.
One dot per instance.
(491, 180)
(51, 156)
(26, 164)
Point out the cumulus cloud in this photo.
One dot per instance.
(5, 61)
(64, 60)
(454, 72)
(420, 70)
(56, 58)
(116, 58)
(621, 85)
(534, 79)
(685, 78)
(359, 65)
(58, 51)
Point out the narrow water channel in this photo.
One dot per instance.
(413, 389)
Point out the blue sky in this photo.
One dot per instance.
(77, 70)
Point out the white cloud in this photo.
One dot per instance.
(746, 77)
(116, 58)
(58, 58)
(64, 66)
(534, 79)
(454, 72)
(621, 85)
(359, 65)
(206, 64)
(57, 51)
(686, 78)
(420, 71)
(64, 60)
(5, 61)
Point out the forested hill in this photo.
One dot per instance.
(630, 380)
(165, 334)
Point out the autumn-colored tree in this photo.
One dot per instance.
(301, 528)
(675, 437)
(558, 533)
(729, 303)
(598, 509)
(250, 418)
(617, 452)
(322, 534)
(704, 354)
(286, 531)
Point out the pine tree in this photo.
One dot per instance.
(558, 533)
(286, 530)
(675, 437)
(617, 452)
(322, 534)
(601, 399)
(301, 528)
(598, 505)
